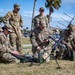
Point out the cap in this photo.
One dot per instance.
(17, 6)
(41, 9)
(7, 28)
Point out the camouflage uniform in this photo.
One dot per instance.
(5, 48)
(15, 21)
(67, 38)
(73, 37)
(37, 39)
(38, 18)
(73, 42)
(35, 22)
(1, 29)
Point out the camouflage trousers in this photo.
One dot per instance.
(6, 57)
(59, 52)
(44, 53)
(16, 39)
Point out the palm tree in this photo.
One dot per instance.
(51, 5)
(33, 12)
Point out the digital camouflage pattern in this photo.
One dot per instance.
(68, 38)
(5, 48)
(37, 19)
(68, 34)
(38, 39)
(15, 21)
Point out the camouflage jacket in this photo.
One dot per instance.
(73, 42)
(37, 37)
(13, 19)
(4, 44)
(67, 37)
(36, 20)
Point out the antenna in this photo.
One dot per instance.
(62, 24)
(68, 15)
(64, 20)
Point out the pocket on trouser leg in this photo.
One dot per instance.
(8, 58)
(40, 57)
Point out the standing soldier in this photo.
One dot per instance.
(38, 18)
(40, 42)
(14, 19)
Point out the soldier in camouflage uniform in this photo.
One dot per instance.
(5, 47)
(38, 18)
(40, 42)
(68, 35)
(14, 19)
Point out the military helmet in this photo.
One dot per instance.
(17, 6)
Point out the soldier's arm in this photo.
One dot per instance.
(4, 49)
(11, 48)
(33, 22)
(50, 31)
(21, 21)
(47, 23)
(1, 39)
(6, 18)
(33, 40)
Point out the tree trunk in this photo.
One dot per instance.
(49, 17)
(33, 12)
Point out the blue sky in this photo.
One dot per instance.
(67, 6)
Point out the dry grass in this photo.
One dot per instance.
(26, 40)
(67, 68)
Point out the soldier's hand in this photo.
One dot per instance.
(16, 52)
(38, 48)
(70, 47)
(19, 28)
(46, 40)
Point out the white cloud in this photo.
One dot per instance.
(1, 10)
(68, 1)
(27, 13)
(69, 4)
(59, 16)
(55, 16)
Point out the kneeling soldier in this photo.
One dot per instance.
(5, 48)
(40, 42)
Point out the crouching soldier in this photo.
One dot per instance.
(5, 48)
(40, 42)
(68, 41)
